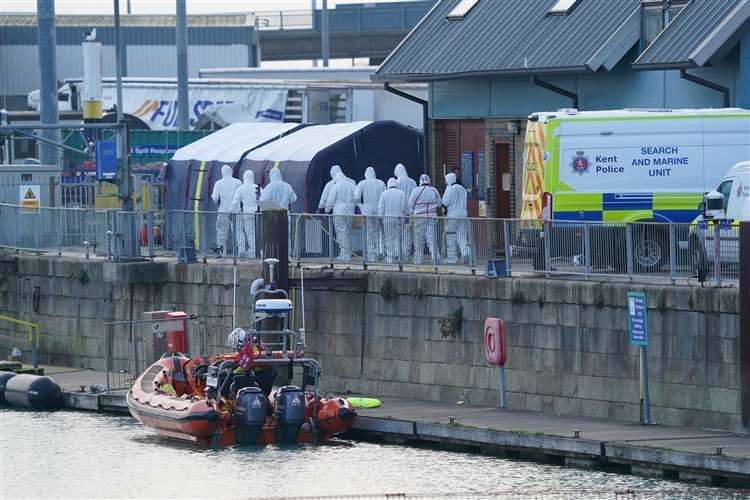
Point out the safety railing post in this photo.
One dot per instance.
(108, 353)
(629, 249)
(365, 239)
(717, 253)
(150, 229)
(58, 230)
(546, 227)
(508, 251)
(587, 248)
(435, 249)
(329, 224)
(202, 240)
(15, 224)
(34, 332)
(672, 254)
(36, 228)
(400, 224)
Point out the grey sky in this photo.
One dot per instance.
(168, 6)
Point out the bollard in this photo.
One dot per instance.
(744, 252)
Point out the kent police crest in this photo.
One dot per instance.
(580, 162)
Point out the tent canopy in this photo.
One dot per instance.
(194, 169)
(306, 156)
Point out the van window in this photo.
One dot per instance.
(725, 188)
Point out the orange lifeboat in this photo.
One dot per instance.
(171, 397)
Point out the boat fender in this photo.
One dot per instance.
(33, 391)
(4, 377)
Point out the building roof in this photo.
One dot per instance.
(514, 37)
(700, 31)
(304, 144)
(93, 21)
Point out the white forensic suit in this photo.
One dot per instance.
(423, 204)
(245, 202)
(327, 188)
(367, 195)
(341, 201)
(222, 195)
(456, 225)
(280, 193)
(392, 209)
(406, 184)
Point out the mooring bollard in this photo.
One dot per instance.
(495, 353)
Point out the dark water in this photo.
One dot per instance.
(84, 455)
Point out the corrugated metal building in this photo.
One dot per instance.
(214, 40)
(491, 63)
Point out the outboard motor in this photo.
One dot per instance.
(212, 380)
(33, 391)
(249, 414)
(4, 377)
(290, 414)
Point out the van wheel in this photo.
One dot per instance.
(698, 259)
(650, 250)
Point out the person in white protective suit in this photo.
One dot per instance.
(456, 225)
(282, 194)
(278, 191)
(327, 188)
(367, 195)
(406, 184)
(423, 204)
(341, 202)
(245, 201)
(222, 195)
(392, 209)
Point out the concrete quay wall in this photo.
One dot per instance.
(380, 333)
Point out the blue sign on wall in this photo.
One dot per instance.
(637, 322)
(106, 161)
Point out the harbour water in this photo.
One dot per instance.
(84, 455)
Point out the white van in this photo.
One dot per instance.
(727, 207)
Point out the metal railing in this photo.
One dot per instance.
(634, 251)
(392, 16)
(32, 337)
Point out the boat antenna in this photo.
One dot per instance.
(302, 289)
(234, 296)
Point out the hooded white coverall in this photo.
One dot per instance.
(341, 201)
(222, 195)
(392, 209)
(327, 188)
(423, 203)
(247, 196)
(280, 193)
(454, 199)
(367, 195)
(406, 184)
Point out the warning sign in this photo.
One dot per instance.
(29, 198)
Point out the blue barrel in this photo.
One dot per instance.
(4, 377)
(33, 391)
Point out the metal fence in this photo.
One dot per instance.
(497, 247)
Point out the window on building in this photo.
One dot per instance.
(563, 7)
(655, 15)
(461, 10)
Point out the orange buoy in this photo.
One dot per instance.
(494, 341)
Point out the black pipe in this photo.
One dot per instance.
(708, 84)
(425, 120)
(555, 89)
